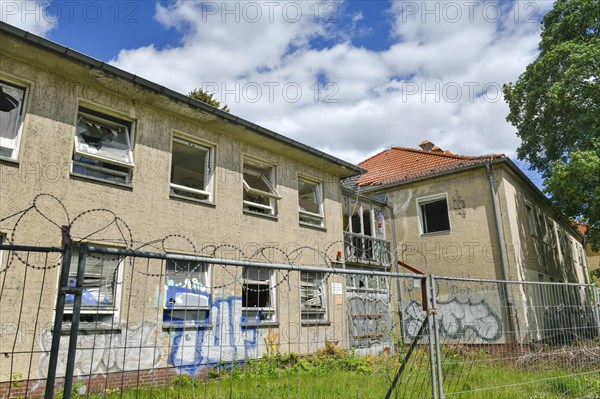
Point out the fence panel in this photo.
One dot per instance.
(508, 339)
(27, 280)
(164, 325)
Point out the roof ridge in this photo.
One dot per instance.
(442, 154)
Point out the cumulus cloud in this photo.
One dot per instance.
(294, 67)
(30, 15)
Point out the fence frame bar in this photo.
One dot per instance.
(59, 312)
(438, 356)
(430, 328)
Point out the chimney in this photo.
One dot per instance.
(426, 145)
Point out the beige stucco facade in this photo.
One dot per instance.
(143, 215)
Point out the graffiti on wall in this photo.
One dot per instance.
(228, 340)
(459, 205)
(457, 320)
(369, 320)
(132, 348)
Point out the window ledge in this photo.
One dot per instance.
(274, 218)
(263, 324)
(183, 198)
(315, 323)
(436, 233)
(188, 325)
(11, 161)
(107, 182)
(85, 327)
(313, 226)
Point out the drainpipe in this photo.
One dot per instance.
(398, 286)
(509, 300)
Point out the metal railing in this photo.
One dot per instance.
(367, 250)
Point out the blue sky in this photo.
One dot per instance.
(348, 77)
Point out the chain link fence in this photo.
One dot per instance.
(89, 321)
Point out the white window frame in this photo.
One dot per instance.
(270, 311)
(15, 144)
(318, 218)
(531, 216)
(173, 310)
(112, 311)
(111, 122)
(269, 181)
(427, 200)
(209, 170)
(318, 285)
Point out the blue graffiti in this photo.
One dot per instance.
(224, 339)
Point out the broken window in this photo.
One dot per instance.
(258, 295)
(191, 170)
(260, 195)
(101, 289)
(433, 212)
(103, 147)
(187, 297)
(12, 111)
(531, 220)
(310, 202)
(313, 298)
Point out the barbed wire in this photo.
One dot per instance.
(125, 239)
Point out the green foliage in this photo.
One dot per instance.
(555, 107)
(207, 98)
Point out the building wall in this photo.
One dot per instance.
(471, 241)
(556, 258)
(144, 216)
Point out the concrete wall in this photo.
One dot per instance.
(142, 215)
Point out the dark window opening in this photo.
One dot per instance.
(434, 216)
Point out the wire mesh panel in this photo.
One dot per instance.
(508, 340)
(27, 279)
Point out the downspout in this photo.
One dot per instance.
(398, 286)
(505, 275)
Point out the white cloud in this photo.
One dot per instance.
(427, 84)
(30, 15)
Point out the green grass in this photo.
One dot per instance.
(333, 373)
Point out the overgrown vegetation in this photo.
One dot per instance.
(334, 373)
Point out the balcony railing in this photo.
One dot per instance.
(367, 250)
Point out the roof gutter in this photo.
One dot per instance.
(162, 90)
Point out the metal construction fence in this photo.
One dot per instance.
(89, 321)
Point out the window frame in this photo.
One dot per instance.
(320, 217)
(428, 200)
(108, 120)
(209, 172)
(113, 311)
(323, 310)
(271, 310)
(171, 309)
(20, 123)
(531, 219)
(250, 164)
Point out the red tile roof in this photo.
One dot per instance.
(399, 164)
(582, 228)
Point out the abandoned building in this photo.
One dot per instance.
(474, 217)
(128, 165)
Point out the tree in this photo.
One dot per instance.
(555, 106)
(201, 95)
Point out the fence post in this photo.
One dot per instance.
(436, 337)
(596, 307)
(76, 291)
(59, 311)
(430, 330)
